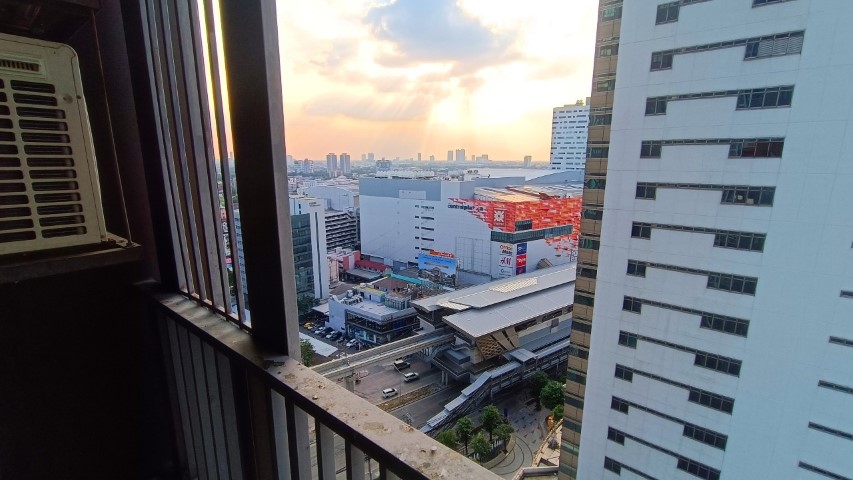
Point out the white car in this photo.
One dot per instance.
(389, 392)
(410, 377)
(351, 343)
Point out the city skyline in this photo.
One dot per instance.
(392, 77)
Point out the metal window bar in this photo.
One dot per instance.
(222, 135)
(238, 411)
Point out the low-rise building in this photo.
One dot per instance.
(372, 315)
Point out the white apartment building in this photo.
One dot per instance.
(568, 136)
(718, 272)
(332, 164)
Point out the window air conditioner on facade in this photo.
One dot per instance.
(49, 191)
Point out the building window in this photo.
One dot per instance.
(740, 240)
(734, 326)
(746, 195)
(636, 268)
(598, 152)
(711, 400)
(820, 471)
(592, 214)
(613, 12)
(761, 3)
(612, 465)
(574, 377)
(667, 12)
(589, 243)
(719, 363)
(697, 469)
(573, 402)
(831, 431)
(732, 283)
(662, 60)
(623, 373)
(605, 85)
(619, 405)
(708, 437)
(646, 192)
(631, 304)
(756, 148)
(608, 50)
(600, 119)
(835, 386)
(615, 436)
(774, 45)
(581, 327)
(650, 149)
(770, 97)
(587, 272)
(656, 106)
(628, 339)
(641, 230)
(583, 299)
(841, 341)
(595, 184)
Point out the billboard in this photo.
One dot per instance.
(445, 262)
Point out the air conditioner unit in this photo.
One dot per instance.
(49, 191)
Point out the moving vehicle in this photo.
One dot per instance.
(389, 392)
(410, 377)
(400, 364)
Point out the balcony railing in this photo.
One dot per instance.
(243, 412)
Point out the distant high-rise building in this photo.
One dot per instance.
(473, 157)
(370, 157)
(484, 157)
(528, 160)
(432, 158)
(332, 164)
(363, 157)
(711, 323)
(419, 156)
(346, 166)
(460, 155)
(568, 136)
(450, 155)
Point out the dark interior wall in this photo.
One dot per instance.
(82, 387)
(82, 393)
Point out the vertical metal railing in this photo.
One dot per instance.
(243, 413)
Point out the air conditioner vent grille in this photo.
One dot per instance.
(19, 65)
(49, 194)
(39, 112)
(24, 86)
(27, 99)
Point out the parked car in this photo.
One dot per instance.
(308, 326)
(335, 336)
(352, 343)
(389, 392)
(400, 364)
(410, 377)
(319, 331)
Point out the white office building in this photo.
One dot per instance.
(493, 227)
(568, 136)
(315, 210)
(718, 272)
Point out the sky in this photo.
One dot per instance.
(399, 77)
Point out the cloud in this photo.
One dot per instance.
(387, 109)
(436, 31)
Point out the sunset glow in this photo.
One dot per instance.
(407, 76)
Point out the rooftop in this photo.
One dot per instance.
(493, 306)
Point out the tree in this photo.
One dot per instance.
(480, 446)
(558, 413)
(305, 303)
(490, 418)
(464, 428)
(232, 282)
(447, 438)
(551, 395)
(537, 382)
(307, 351)
(503, 432)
